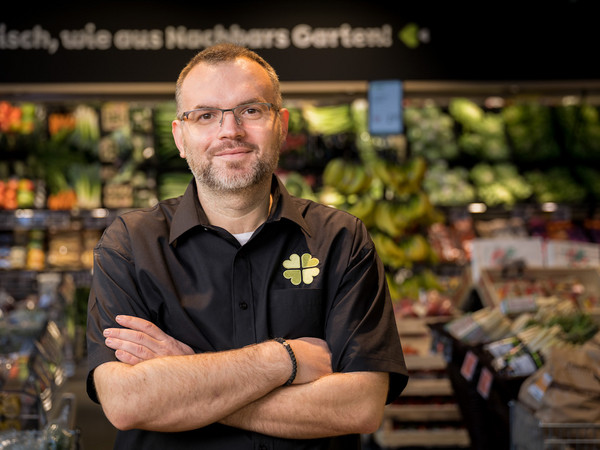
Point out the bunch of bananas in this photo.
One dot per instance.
(401, 178)
(389, 218)
(402, 253)
(416, 248)
(395, 217)
(348, 177)
(362, 207)
(390, 253)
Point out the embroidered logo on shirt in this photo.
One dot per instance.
(301, 269)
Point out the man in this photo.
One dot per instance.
(237, 316)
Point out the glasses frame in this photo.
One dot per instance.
(185, 115)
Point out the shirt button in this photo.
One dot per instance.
(243, 305)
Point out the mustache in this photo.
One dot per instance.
(229, 145)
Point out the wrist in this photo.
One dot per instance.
(293, 361)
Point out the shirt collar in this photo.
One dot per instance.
(190, 214)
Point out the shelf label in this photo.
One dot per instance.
(469, 365)
(484, 384)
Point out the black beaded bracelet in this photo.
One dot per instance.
(292, 357)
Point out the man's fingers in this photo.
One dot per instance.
(127, 358)
(140, 351)
(124, 334)
(141, 325)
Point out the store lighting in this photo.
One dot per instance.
(494, 102)
(570, 100)
(99, 213)
(549, 207)
(24, 213)
(477, 208)
(148, 152)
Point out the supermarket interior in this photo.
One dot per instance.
(468, 144)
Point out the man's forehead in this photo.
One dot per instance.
(249, 74)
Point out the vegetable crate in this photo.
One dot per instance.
(515, 289)
(528, 433)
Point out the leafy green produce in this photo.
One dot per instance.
(581, 127)
(530, 130)
(483, 132)
(166, 151)
(86, 181)
(555, 185)
(466, 112)
(86, 134)
(173, 184)
(430, 132)
(448, 186)
(328, 120)
(482, 174)
(577, 328)
(500, 184)
(590, 178)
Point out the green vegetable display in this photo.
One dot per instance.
(430, 132)
(531, 132)
(483, 134)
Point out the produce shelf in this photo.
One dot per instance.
(454, 437)
(424, 413)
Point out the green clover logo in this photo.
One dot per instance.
(301, 270)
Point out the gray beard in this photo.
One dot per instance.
(217, 180)
(222, 180)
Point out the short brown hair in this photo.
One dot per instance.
(225, 52)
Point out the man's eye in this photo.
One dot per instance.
(251, 111)
(206, 116)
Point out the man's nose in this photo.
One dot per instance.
(230, 125)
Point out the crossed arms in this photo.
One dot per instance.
(159, 384)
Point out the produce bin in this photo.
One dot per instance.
(528, 433)
(582, 285)
(487, 418)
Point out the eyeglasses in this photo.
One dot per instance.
(246, 114)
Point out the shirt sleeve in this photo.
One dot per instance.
(361, 327)
(114, 291)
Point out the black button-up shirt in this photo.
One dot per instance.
(309, 270)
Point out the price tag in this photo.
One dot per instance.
(538, 389)
(469, 365)
(484, 384)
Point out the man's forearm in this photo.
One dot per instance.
(337, 404)
(180, 393)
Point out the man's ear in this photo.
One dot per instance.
(284, 117)
(177, 130)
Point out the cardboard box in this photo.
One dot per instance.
(572, 254)
(502, 252)
(587, 280)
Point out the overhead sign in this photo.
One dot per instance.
(305, 41)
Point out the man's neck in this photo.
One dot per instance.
(239, 212)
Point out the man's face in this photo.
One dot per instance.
(230, 156)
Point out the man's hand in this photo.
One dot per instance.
(313, 358)
(141, 340)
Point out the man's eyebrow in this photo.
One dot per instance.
(245, 102)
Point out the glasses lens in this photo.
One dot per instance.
(204, 116)
(252, 111)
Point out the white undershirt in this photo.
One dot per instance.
(243, 237)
